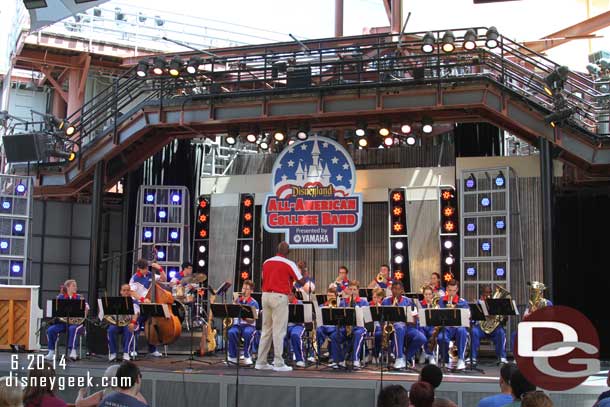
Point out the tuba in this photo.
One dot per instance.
(537, 299)
(492, 322)
(123, 320)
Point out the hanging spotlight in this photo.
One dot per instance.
(158, 66)
(384, 130)
(361, 129)
(471, 182)
(388, 141)
(405, 128)
(303, 132)
(193, 65)
(363, 142)
(428, 43)
(251, 137)
(174, 66)
(231, 139)
(70, 130)
(279, 136)
(142, 69)
(470, 40)
(499, 180)
(448, 42)
(555, 80)
(411, 140)
(557, 118)
(491, 37)
(264, 144)
(426, 125)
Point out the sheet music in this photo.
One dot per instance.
(465, 316)
(49, 308)
(100, 314)
(515, 307)
(307, 314)
(484, 308)
(318, 310)
(363, 316)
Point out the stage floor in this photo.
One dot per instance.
(174, 381)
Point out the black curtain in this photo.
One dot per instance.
(581, 277)
(477, 140)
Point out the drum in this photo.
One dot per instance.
(190, 297)
(179, 309)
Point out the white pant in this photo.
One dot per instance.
(275, 322)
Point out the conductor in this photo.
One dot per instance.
(278, 275)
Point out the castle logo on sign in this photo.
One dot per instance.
(313, 195)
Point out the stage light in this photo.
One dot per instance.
(448, 42)
(174, 66)
(384, 130)
(279, 136)
(246, 231)
(174, 235)
(176, 198)
(470, 39)
(491, 37)
(158, 66)
(150, 198)
(201, 263)
(245, 275)
(246, 248)
(485, 201)
(398, 245)
(291, 142)
(449, 260)
(396, 196)
(499, 180)
(20, 188)
(557, 118)
(4, 245)
(471, 182)
(398, 259)
(248, 202)
(471, 227)
(248, 217)
(426, 125)
(15, 268)
(231, 140)
(397, 227)
(555, 80)
(447, 195)
(428, 43)
(203, 203)
(162, 214)
(203, 233)
(448, 211)
(593, 69)
(160, 255)
(448, 244)
(251, 137)
(71, 156)
(159, 21)
(246, 261)
(397, 211)
(142, 69)
(148, 234)
(388, 141)
(449, 226)
(500, 272)
(264, 144)
(171, 273)
(363, 142)
(18, 227)
(486, 246)
(302, 135)
(193, 64)
(361, 129)
(398, 275)
(471, 271)
(6, 205)
(411, 140)
(500, 225)
(202, 249)
(405, 128)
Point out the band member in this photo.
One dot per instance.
(129, 341)
(294, 336)
(244, 328)
(140, 283)
(309, 288)
(383, 279)
(435, 283)
(187, 270)
(498, 336)
(341, 281)
(415, 339)
(378, 296)
(68, 292)
(326, 331)
(340, 337)
(535, 302)
(457, 334)
(426, 303)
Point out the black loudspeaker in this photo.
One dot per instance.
(419, 73)
(25, 147)
(298, 77)
(97, 342)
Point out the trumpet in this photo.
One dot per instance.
(380, 278)
(332, 303)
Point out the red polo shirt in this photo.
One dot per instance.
(278, 275)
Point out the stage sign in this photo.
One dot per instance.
(313, 195)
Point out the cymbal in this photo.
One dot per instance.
(195, 278)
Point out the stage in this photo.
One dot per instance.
(169, 382)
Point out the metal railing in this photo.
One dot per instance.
(367, 61)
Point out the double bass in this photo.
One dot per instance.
(161, 330)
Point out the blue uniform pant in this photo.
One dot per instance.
(427, 332)
(141, 323)
(498, 337)
(339, 341)
(74, 333)
(458, 335)
(129, 339)
(415, 340)
(294, 337)
(322, 333)
(398, 339)
(245, 331)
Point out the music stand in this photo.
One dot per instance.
(414, 296)
(321, 298)
(442, 318)
(68, 308)
(116, 307)
(366, 293)
(390, 314)
(505, 307)
(478, 312)
(339, 317)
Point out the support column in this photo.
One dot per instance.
(97, 201)
(338, 18)
(546, 189)
(75, 99)
(396, 20)
(59, 105)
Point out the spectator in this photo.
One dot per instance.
(129, 383)
(505, 395)
(421, 395)
(433, 375)
(96, 398)
(393, 396)
(40, 391)
(604, 395)
(519, 386)
(11, 393)
(536, 399)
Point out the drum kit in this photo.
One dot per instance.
(189, 304)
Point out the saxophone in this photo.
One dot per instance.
(492, 322)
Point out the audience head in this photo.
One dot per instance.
(129, 377)
(520, 385)
(443, 403)
(11, 392)
(536, 399)
(109, 374)
(393, 396)
(506, 371)
(421, 394)
(43, 380)
(431, 374)
(283, 248)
